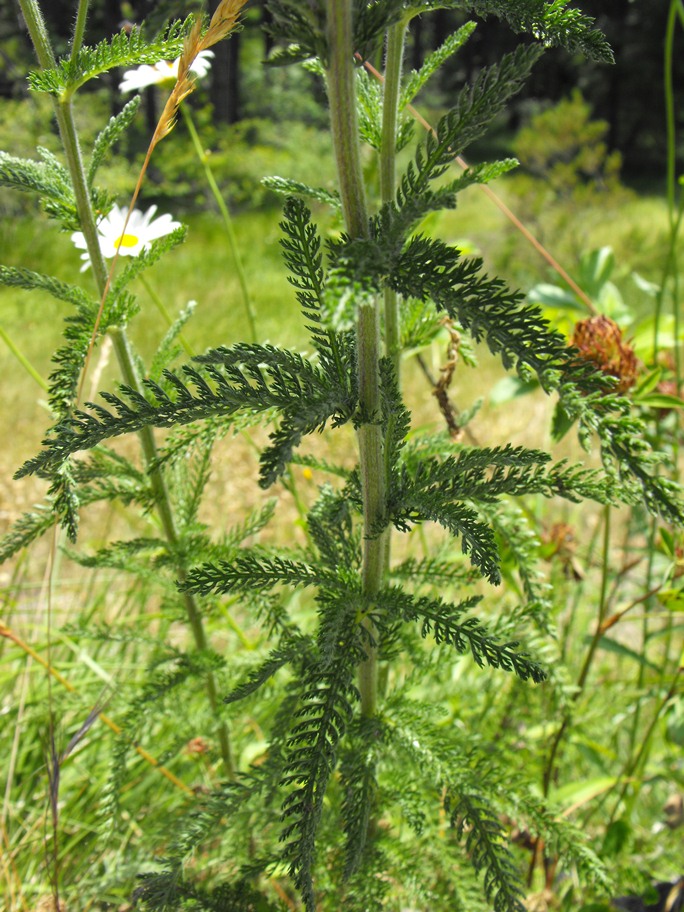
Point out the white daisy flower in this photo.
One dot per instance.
(165, 71)
(141, 230)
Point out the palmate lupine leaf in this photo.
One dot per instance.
(244, 377)
(123, 49)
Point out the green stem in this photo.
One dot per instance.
(637, 763)
(344, 128)
(164, 311)
(675, 212)
(227, 221)
(65, 121)
(388, 156)
(23, 360)
(343, 120)
(79, 28)
(588, 659)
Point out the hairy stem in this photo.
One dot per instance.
(79, 28)
(343, 120)
(342, 98)
(388, 156)
(72, 149)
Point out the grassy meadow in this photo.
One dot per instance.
(103, 630)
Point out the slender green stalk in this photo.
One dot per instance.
(675, 212)
(588, 658)
(79, 28)
(343, 120)
(164, 311)
(344, 128)
(635, 764)
(22, 359)
(65, 120)
(388, 156)
(227, 221)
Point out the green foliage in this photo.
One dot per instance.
(106, 138)
(384, 707)
(123, 50)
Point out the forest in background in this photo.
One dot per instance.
(627, 95)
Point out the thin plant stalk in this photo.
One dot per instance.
(388, 157)
(227, 221)
(79, 28)
(344, 128)
(23, 360)
(164, 311)
(675, 210)
(591, 652)
(124, 355)
(552, 759)
(670, 278)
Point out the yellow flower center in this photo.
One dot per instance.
(127, 240)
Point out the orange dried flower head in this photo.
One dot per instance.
(197, 746)
(599, 339)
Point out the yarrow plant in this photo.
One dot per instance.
(369, 790)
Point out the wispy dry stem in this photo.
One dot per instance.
(222, 23)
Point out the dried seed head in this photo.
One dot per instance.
(599, 339)
(222, 22)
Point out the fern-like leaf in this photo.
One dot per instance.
(311, 757)
(294, 647)
(245, 377)
(549, 22)
(434, 60)
(106, 138)
(444, 622)
(248, 572)
(123, 49)
(485, 843)
(288, 187)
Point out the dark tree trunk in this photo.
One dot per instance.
(266, 20)
(224, 92)
(417, 34)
